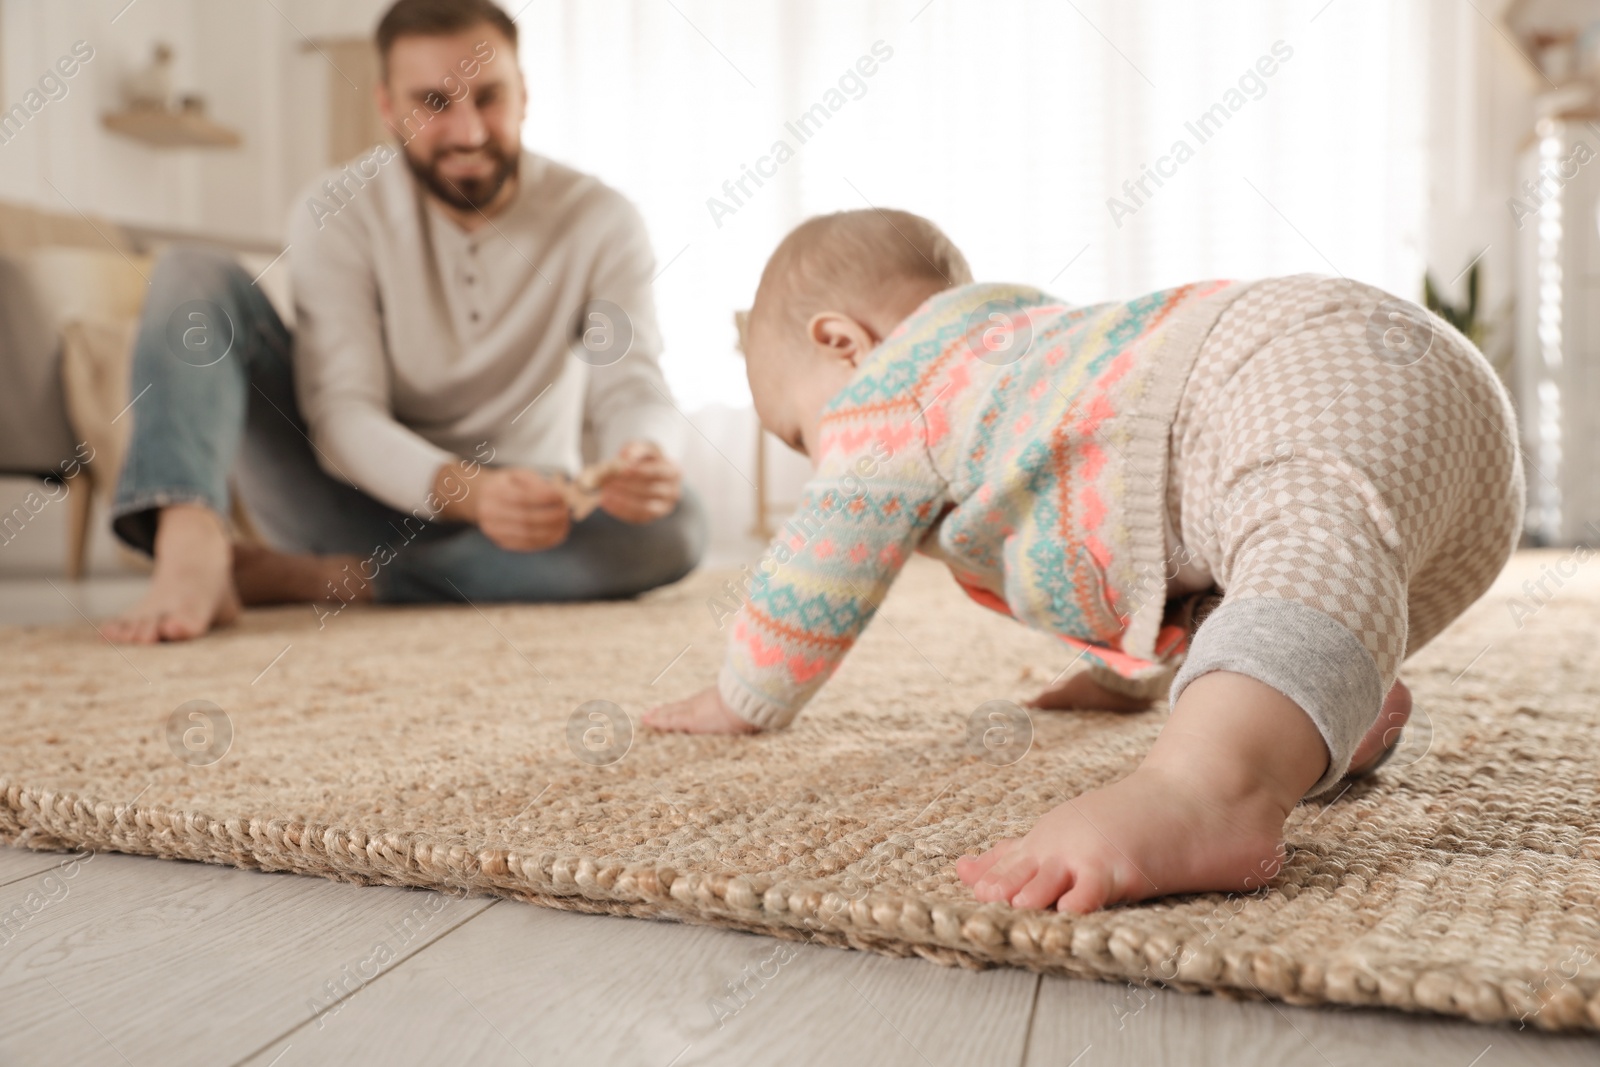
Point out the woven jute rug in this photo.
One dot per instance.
(489, 748)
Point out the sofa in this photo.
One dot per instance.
(71, 287)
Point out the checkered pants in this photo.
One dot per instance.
(1348, 450)
(1348, 453)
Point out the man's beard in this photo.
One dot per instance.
(466, 194)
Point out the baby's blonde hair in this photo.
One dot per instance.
(851, 261)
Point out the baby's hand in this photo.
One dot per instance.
(703, 713)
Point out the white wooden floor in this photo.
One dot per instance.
(139, 961)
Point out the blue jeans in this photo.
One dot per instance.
(214, 399)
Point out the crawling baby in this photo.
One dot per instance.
(1258, 498)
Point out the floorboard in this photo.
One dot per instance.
(17, 864)
(1099, 1024)
(133, 960)
(522, 984)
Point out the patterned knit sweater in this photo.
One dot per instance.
(1022, 442)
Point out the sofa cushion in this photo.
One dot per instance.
(89, 283)
(34, 433)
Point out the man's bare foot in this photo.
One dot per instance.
(191, 590)
(1153, 833)
(1080, 692)
(704, 713)
(1385, 733)
(266, 576)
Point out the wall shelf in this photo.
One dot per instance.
(171, 129)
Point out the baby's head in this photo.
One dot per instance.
(836, 287)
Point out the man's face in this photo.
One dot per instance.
(456, 104)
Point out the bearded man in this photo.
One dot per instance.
(466, 315)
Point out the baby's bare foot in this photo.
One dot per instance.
(191, 590)
(703, 713)
(1080, 692)
(1153, 833)
(1385, 733)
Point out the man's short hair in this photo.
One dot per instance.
(438, 18)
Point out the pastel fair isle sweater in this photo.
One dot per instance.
(1032, 461)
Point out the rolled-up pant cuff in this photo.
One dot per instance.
(136, 519)
(1303, 653)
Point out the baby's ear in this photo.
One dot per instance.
(839, 336)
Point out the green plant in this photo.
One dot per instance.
(1463, 317)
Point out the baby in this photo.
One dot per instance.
(1259, 497)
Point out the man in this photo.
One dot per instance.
(465, 311)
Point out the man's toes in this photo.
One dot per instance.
(1091, 890)
(178, 628)
(120, 631)
(142, 631)
(972, 868)
(1045, 888)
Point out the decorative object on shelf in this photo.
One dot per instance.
(1560, 37)
(150, 89)
(148, 113)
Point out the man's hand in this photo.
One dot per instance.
(704, 713)
(519, 510)
(522, 510)
(646, 488)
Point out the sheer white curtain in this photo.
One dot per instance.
(1009, 122)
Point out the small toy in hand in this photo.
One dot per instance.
(583, 492)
